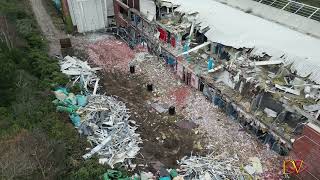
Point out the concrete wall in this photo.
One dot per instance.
(288, 19)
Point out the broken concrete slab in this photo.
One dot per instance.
(312, 108)
(264, 63)
(159, 108)
(256, 164)
(249, 169)
(288, 90)
(270, 112)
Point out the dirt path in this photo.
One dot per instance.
(47, 27)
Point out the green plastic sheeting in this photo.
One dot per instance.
(173, 173)
(165, 178)
(113, 175)
(71, 98)
(69, 103)
(68, 109)
(75, 118)
(63, 90)
(82, 100)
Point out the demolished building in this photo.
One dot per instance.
(263, 75)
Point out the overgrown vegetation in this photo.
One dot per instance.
(35, 141)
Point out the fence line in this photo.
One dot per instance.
(294, 7)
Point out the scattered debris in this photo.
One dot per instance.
(209, 167)
(180, 95)
(111, 54)
(103, 119)
(185, 124)
(312, 108)
(146, 176)
(270, 112)
(73, 66)
(263, 63)
(80, 71)
(255, 168)
(256, 164)
(159, 107)
(221, 134)
(106, 123)
(249, 169)
(289, 90)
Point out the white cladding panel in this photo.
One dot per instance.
(89, 15)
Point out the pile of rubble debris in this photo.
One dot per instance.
(80, 71)
(197, 168)
(108, 127)
(206, 168)
(103, 119)
(110, 54)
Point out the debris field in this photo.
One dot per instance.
(166, 138)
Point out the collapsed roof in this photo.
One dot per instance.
(233, 27)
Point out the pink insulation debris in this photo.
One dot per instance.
(180, 95)
(111, 54)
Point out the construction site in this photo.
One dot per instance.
(175, 89)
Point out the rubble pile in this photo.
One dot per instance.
(110, 54)
(107, 126)
(103, 119)
(208, 167)
(80, 71)
(223, 134)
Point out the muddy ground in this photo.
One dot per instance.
(163, 140)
